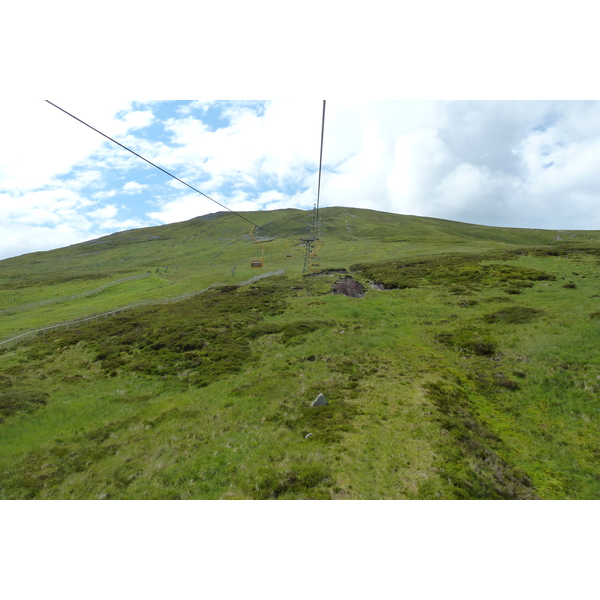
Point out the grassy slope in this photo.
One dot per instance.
(448, 384)
(188, 256)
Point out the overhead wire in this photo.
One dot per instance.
(190, 186)
(151, 163)
(320, 164)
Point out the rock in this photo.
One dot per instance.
(348, 286)
(307, 436)
(319, 401)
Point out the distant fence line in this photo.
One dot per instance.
(19, 338)
(74, 297)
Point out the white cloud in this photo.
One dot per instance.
(420, 158)
(484, 162)
(29, 238)
(133, 187)
(274, 200)
(109, 225)
(278, 143)
(183, 208)
(107, 212)
(40, 142)
(105, 194)
(44, 206)
(136, 119)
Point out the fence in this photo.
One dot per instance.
(19, 338)
(68, 298)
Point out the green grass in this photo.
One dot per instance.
(473, 375)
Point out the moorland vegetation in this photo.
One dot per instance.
(466, 368)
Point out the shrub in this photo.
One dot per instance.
(16, 400)
(501, 380)
(299, 480)
(468, 303)
(513, 314)
(468, 341)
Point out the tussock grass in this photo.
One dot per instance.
(446, 385)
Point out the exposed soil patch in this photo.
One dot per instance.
(348, 286)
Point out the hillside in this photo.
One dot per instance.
(466, 368)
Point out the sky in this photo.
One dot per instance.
(480, 120)
(531, 164)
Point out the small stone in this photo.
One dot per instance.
(307, 436)
(319, 401)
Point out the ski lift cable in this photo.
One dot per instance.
(151, 163)
(264, 229)
(320, 164)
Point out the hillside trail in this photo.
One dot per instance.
(19, 338)
(72, 297)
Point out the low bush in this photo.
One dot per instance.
(513, 314)
(299, 480)
(456, 270)
(15, 400)
(472, 463)
(469, 341)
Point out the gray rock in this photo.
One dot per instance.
(319, 401)
(307, 436)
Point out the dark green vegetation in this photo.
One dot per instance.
(468, 370)
(464, 272)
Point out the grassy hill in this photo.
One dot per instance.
(466, 370)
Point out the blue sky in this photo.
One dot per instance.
(503, 163)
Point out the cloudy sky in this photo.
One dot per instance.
(505, 163)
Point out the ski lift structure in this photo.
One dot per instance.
(312, 245)
(311, 251)
(257, 263)
(313, 255)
